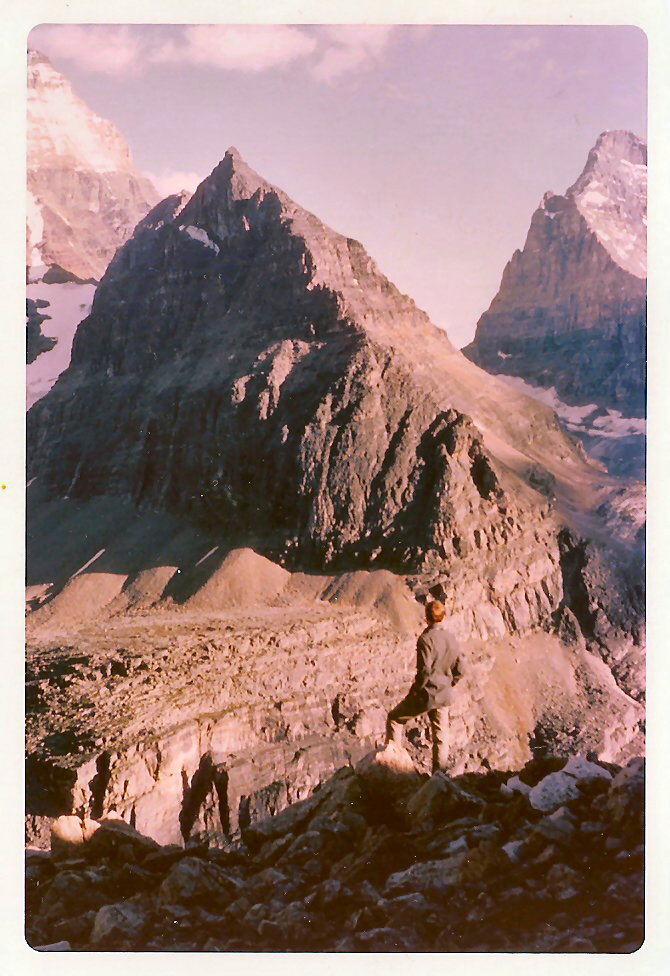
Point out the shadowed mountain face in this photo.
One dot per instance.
(260, 376)
(571, 309)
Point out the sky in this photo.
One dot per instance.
(431, 145)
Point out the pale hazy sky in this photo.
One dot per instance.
(430, 145)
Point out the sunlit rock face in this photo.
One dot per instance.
(571, 309)
(84, 194)
(84, 199)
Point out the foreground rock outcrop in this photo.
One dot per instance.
(369, 862)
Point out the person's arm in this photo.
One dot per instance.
(456, 669)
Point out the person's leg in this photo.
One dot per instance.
(438, 727)
(398, 717)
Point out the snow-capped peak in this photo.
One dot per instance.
(62, 127)
(611, 195)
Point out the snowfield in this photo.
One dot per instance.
(69, 303)
(608, 424)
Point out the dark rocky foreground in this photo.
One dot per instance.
(379, 858)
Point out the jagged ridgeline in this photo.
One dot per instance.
(262, 377)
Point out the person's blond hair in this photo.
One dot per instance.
(435, 611)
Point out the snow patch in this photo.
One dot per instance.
(87, 564)
(571, 415)
(35, 228)
(580, 418)
(198, 234)
(613, 424)
(207, 555)
(594, 196)
(69, 303)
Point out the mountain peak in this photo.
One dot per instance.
(611, 195)
(236, 178)
(620, 144)
(36, 57)
(85, 194)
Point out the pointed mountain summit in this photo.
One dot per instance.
(85, 196)
(571, 309)
(253, 371)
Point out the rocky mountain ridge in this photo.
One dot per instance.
(571, 309)
(278, 343)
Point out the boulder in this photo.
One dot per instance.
(440, 800)
(114, 837)
(584, 771)
(557, 827)
(432, 878)
(564, 785)
(68, 892)
(193, 880)
(118, 923)
(385, 940)
(380, 853)
(553, 791)
(70, 832)
(387, 777)
(485, 859)
(287, 822)
(514, 785)
(626, 794)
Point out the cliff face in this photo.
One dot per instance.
(85, 196)
(262, 377)
(571, 309)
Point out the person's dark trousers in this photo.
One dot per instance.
(409, 708)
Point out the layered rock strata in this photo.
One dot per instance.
(188, 720)
(571, 309)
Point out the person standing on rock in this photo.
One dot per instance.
(438, 668)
